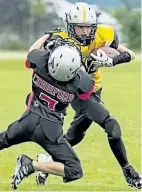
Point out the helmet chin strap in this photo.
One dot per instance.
(84, 41)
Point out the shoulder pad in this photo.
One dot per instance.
(37, 57)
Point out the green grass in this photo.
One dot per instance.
(121, 95)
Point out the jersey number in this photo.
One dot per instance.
(51, 102)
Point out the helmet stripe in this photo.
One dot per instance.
(84, 13)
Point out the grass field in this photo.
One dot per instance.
(121, 95)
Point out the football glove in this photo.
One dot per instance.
(93, 62)
(101, 59)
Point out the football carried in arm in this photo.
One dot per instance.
(111, 52)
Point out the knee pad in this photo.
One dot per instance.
(112, 128)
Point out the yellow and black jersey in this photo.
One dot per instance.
(105, 36)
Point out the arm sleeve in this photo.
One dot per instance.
(122, 58)
(115, 42)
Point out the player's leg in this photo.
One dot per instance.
(18, 132)
(100, 115)
(66, 164)
(41, 177)
(14, 134)
(81, 122)
(52, 141)
(77, 130)
(75, 133)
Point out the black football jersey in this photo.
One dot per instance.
(50, 98)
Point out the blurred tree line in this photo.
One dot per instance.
(131, 24)
(23, 21)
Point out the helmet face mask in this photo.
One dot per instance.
(84, 39)
(81, 15)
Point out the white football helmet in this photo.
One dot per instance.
(82, 15)
(64, 62)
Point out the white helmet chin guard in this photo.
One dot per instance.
(64, 62)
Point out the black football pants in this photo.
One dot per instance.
(49, 135)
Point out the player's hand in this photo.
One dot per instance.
(49, 44)
(100, 60)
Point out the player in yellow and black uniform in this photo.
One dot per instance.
(82, 27)
(104, 36)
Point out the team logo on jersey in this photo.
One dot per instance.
(36, 103)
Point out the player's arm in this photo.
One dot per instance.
(85, 85)
(116, 45)
(125, 55)
(123, 49)
(36, 46)
(40, 42)
(101, 59)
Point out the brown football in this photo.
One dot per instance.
(108, 50)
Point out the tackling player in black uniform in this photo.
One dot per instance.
(57, 79)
